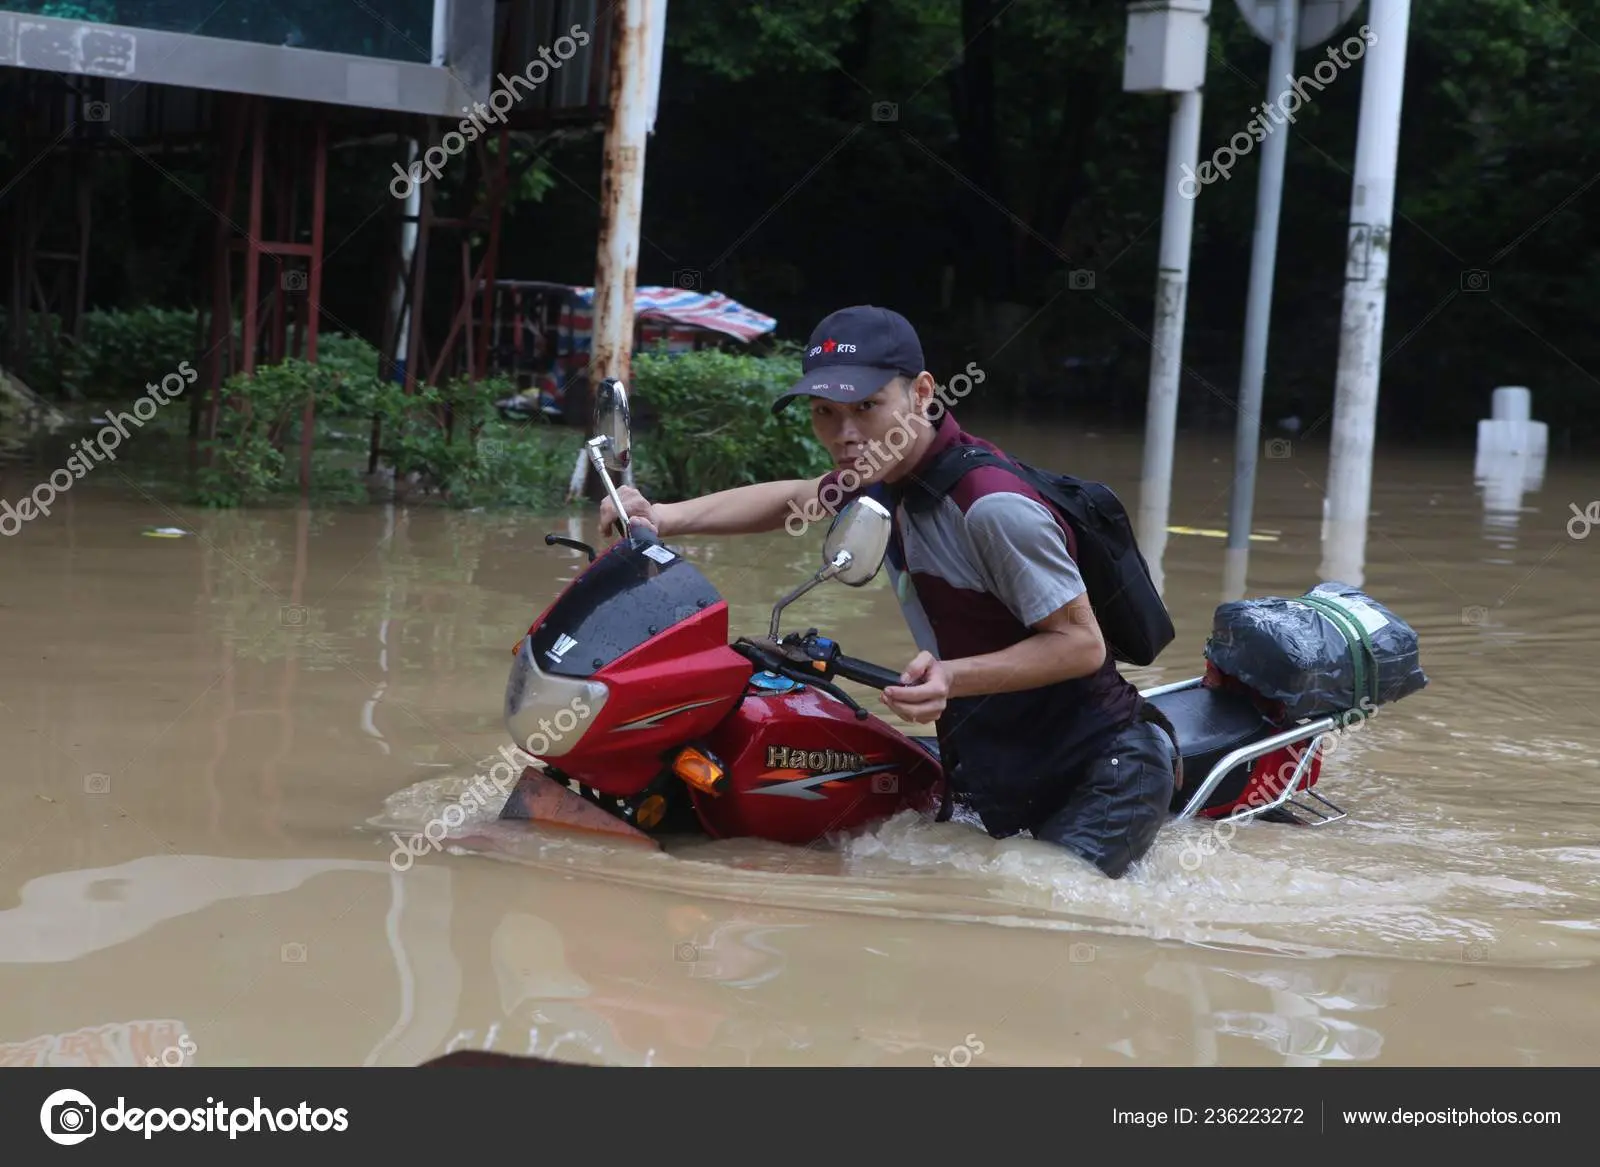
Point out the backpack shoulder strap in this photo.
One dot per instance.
(952, 464)
(955, 462)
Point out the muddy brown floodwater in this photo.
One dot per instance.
(207, 740)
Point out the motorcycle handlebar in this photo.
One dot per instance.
(864, 672)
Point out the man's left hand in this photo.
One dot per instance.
(925, 689)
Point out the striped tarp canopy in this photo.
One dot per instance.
(709, 310)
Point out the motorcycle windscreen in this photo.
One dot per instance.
(627, 596)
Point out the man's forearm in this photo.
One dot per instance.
(743, 510)
(1045, 658)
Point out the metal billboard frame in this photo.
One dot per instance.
(461, 76)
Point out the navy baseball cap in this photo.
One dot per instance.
(855, 352)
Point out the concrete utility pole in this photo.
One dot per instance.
(1166, 53)
(1258, 306)
(637, 36)
(1355, 407)
(1286, 25)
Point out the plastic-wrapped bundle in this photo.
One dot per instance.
(1330, 650)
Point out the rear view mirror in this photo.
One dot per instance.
(612, 422)
(861, 531)
(852, 553)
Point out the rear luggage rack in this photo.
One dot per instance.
(1312, 731)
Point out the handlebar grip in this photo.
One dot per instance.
(864, 672)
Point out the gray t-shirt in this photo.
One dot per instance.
(1005, 544)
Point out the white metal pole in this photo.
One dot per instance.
(1355, 408)
(408, 250)
(1258, 310)
(1166, 357)
(441, 31)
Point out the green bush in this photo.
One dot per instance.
(714, 427)
(119, 354)
(446, 441)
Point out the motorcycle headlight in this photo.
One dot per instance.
(548, 715)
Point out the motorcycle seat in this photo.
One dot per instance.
(1211, 724)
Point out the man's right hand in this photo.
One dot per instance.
(639, 509)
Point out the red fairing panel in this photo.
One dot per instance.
(801, 766)
(669, 691)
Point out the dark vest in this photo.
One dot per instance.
(1011, 755)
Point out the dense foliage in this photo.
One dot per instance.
(713, 425)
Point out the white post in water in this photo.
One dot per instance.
(1166, 53)
(1258, 304)
(1355, 406)
(1286, 25)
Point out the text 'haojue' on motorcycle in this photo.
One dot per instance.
(647, 722)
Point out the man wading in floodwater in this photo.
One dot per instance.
(1038, 731)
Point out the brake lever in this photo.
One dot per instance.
(833, 690)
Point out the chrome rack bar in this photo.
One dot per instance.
(1249, 754)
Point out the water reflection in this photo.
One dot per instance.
(1505, 474)
(1298, 1025)
(70, 916)
(1296, 1017)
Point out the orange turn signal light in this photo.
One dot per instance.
(700, 770)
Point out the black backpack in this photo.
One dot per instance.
(1127, 606)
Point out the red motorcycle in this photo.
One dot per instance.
(647, 721)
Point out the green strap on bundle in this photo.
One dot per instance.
(1354, 634)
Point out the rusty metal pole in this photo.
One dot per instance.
(636, 34)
